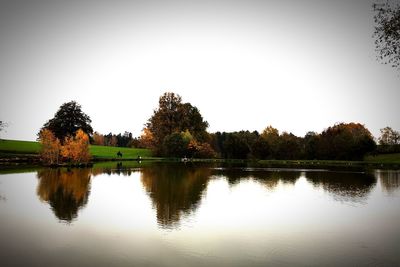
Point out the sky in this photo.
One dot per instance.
(296, 65)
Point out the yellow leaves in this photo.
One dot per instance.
(147, 138)
(51, 146)
(75, 149)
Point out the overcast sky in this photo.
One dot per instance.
(295, 65)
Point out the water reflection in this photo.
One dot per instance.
(389, 180)
(175, 190)
(206, 216)
(344, 186)
(269, 178)
(66, 190)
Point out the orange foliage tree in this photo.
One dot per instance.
(76, 149)
(51, 147)
(98, 139)
(147, 139)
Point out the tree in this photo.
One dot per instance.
(76, 149)
(389, 141)
(345, 141)
(389, 137)
(175, 145)
(310, 141)
(146, 139)
(289, 146)
(238, 145)
(192, 121)
(68, 119)
(387, 33)
(271, 136)
(3, 125)
(98, 139)
(173, 116)
(51, 147)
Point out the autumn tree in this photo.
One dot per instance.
(76, 148)
(345, 141)
(68, 119)
(387, 32)
(200, 150)
(270, 140)
(146, 139)
(173, 117)
(51, 147)
(98, 139)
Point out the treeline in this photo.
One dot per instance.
(342, 141)
(120, 140)
(177, 129)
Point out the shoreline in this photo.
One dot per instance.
(34, 160)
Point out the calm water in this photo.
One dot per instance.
(185, 215)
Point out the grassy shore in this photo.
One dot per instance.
(10, 148)
(27, 150)
(391, 161)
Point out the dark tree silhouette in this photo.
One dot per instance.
(68, 119)
(387, 32)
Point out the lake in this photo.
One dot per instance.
(164, 214)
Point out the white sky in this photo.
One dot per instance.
(244, 64)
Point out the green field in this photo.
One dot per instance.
(111, 152)
(101, 152)
(384, 158)
(19, 147)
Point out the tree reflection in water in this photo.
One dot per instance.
(344, 186)
(389, 180)
(268, 178)
(175, 190)
(66, 191)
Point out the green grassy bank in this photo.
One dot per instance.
(16, 147)
(390, 161)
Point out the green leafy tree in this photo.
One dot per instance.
(68, 119)
(387, 32)
(175, 145)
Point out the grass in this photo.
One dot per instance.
(19, 147)
(384, 158)
(111, 152)
(101, 152)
